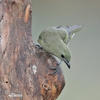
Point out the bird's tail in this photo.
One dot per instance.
(74, 28)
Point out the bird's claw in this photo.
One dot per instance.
(53, 73)
(54, 70)
(38, 46)
(59, 63)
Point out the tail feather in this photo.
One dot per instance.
(74, 28)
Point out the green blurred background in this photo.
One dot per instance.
(83, 80)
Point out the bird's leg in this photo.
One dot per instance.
(59, 63)
(54, 68)
(53, 73)
(37, 45)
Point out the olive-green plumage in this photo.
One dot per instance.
(55, 39)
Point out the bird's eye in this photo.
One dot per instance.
(62, 56)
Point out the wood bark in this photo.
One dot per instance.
(24, 68)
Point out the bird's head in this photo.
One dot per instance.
(64, 54)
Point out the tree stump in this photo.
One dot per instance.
(24, 68)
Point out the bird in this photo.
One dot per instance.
(55, 41)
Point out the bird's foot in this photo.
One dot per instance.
(37, 45)
(59, 63)
(54, 69)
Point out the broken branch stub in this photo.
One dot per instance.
(24, 68)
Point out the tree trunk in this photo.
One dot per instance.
(24, 68)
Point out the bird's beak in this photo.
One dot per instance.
(67, 62)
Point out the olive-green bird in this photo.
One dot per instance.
(55, 41)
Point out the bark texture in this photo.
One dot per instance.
(24, 68)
